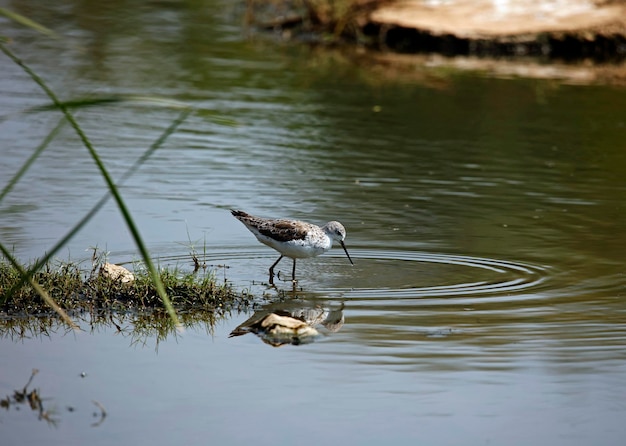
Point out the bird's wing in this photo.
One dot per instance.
(284, 230)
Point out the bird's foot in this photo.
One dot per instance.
(292, 280)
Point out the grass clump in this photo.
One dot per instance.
(77, 290)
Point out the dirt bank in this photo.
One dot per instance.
(556, 28)
(508, 37)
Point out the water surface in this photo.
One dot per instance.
(485, 217)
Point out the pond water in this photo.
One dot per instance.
(486, 219)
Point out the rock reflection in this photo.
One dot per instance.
(293, 323)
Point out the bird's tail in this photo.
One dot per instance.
(239, 214)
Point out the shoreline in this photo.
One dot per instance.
(577, 41)
(568, 30)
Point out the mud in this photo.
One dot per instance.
(567, 29)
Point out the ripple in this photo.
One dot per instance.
(460, 275)
(391, 274)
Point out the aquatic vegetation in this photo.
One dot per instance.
(94, 299)
(75, 289)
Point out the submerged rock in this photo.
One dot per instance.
(278, 329)
(286, 326)
(291, 322)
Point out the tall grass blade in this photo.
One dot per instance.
(22, 20)
(13, 181)
(110, 184)
(151, 100)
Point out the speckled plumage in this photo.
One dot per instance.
(293, 238)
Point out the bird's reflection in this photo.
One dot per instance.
(293, 322)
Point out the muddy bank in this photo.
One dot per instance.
(564, 29)
(577, 41)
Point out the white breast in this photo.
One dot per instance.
(299, 249)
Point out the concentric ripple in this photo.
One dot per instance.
(454, 275)
(394, 274)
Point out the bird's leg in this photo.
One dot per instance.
(293, 271)
(272, 269)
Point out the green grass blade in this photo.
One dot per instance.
(22, 20)
(141, 99)
(156, 144)
(110, 184)
(13, 181)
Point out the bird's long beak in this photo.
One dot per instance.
(346, 251)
